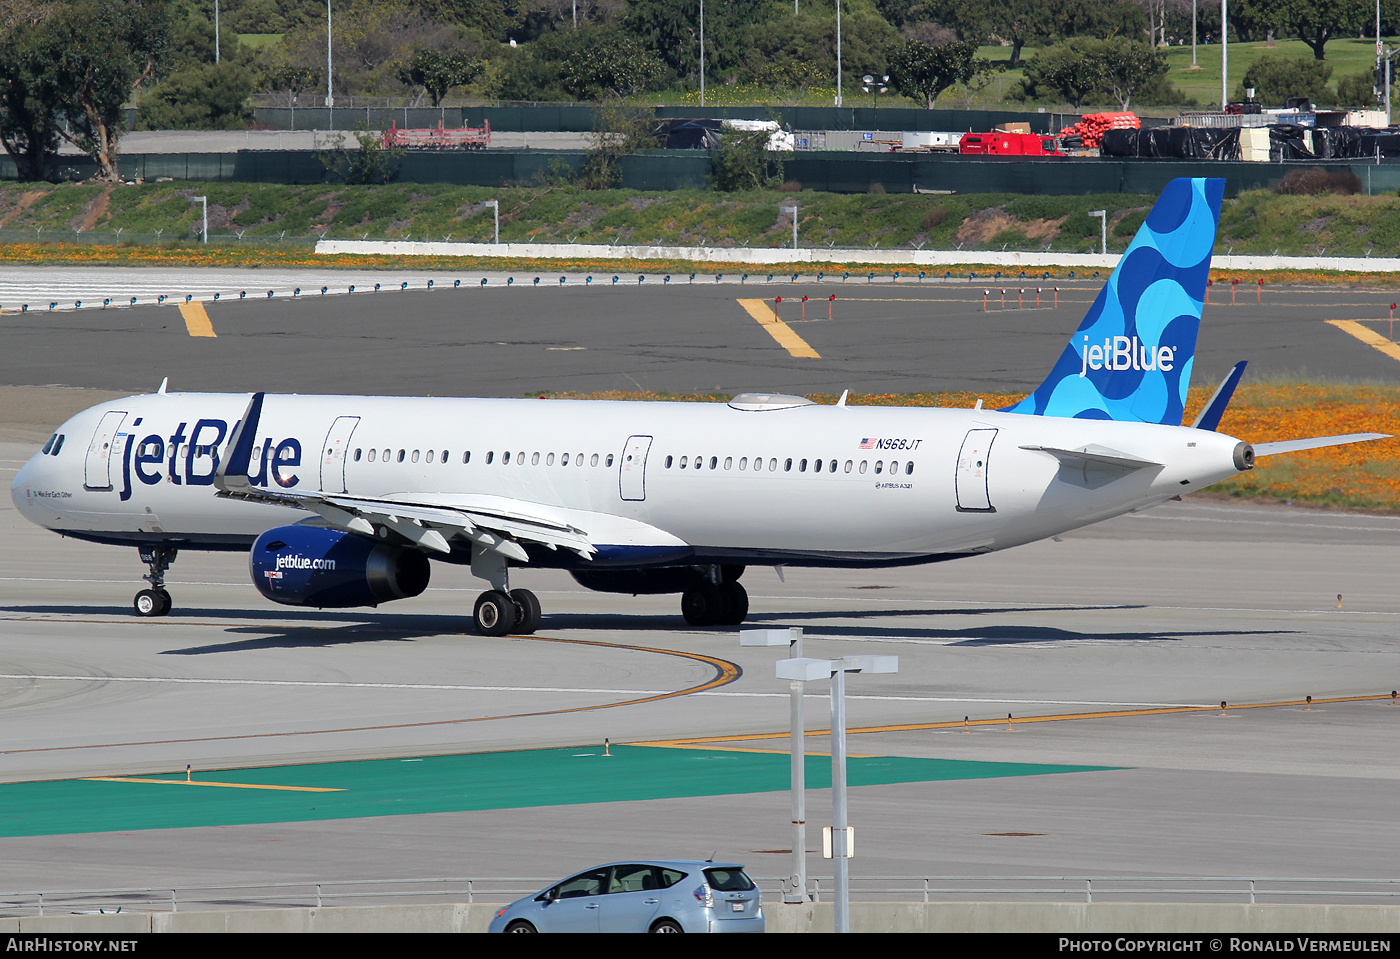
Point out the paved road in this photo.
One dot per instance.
(675, 338)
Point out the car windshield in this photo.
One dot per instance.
(585, 884)
(728, 880)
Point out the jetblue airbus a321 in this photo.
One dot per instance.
(344, 501)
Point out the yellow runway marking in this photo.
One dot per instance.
(187, 782)
(196, 320)
(780, 331)
(1019, 721)
(1368, 336)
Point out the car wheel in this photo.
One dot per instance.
(520, 925)
(666, 925)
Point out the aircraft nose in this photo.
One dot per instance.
(29, 478)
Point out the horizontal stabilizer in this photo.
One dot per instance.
(1316, 442)
(1095, 455)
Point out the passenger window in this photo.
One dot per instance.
(833, 467)
(879, 465)
(578, 460)
(668, 462)
(669, 877)
(564, 460)
(505, 458)
(773, 465)
(520, 458)
(594, 460)
(684, 460)
(608, 461)
(415, 456)
(714, 461)
(402, 454)
(371, 455)
(357, 456)
(698, 462)
(467, 457)
(787, 465)
(848, 466)
(909, 468)
(549, 460)
(728, 462)
(862, 465)
(632, 879)
(534, 460)
(743, 462)
(386, 455)
(802, 466)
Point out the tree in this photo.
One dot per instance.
(1275, 79)
(201, 96)
(436, 72)
(742, 161)
(1129, 66)
(1072, 69)
(616, 64)
(1315, 21)
(69, 69)
(920, 71)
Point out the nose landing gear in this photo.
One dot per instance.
(155, 601)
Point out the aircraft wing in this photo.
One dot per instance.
(1316, 442)
(1094, 455)
(430, 521)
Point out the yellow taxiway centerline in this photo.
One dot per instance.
(1368, 336)
(196, 319)
(189, 782)
(780, 331)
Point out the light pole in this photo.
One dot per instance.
(1103, 225)
(1224, 55)
(796, 888)
(330, 97)
(838, 52)
(204, 201)
(495, 206)
(216, 29)
(1194, 65)
(875, 87)
(793, 210)
(702, 52)
(806, 670)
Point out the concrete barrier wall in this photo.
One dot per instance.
(1056, 918)
(744, 256)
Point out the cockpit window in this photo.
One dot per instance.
(49, 445)
(59, 445)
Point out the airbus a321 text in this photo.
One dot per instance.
(344, 501)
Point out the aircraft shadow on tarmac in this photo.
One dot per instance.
(324, 628)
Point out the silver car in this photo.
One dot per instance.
(660, 896)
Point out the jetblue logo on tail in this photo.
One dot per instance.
(1131, 357)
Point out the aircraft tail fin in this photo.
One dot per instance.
(1132, 355)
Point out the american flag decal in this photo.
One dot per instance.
(867, 444)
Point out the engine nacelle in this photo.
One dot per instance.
(325, 568)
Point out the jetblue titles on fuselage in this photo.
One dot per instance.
(193, 459)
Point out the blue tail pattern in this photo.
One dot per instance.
(1131, 357)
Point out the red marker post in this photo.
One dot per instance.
(1208, 283)
(1259, 293)
(1392, 322)
(776, 301)
(1234, 285)
(830, 300)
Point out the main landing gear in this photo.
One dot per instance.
(499, 612)
(155, 601)
(717, 601)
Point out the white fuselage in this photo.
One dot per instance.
(663, 482)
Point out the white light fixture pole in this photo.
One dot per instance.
(795, 890)
(331, 97)
(793, 210)
(1103, 225)
(702, 52)
(1224, 55)
(216, 29)
(1194, 65)
(495, 206)
(204, 201)
(806, 670)
(838, 51)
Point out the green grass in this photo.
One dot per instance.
(1256, 222)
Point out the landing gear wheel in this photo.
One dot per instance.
(527, 611)
(704, 606)
(495, 613)
(736, 604)
(152, 602)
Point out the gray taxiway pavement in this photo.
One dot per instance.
(1188, 604)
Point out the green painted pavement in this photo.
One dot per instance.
(395, 787)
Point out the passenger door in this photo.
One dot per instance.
(633, 897)
(577, 903)
(632, 475)
(971, 484)
(97, 468)
(333, 454)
